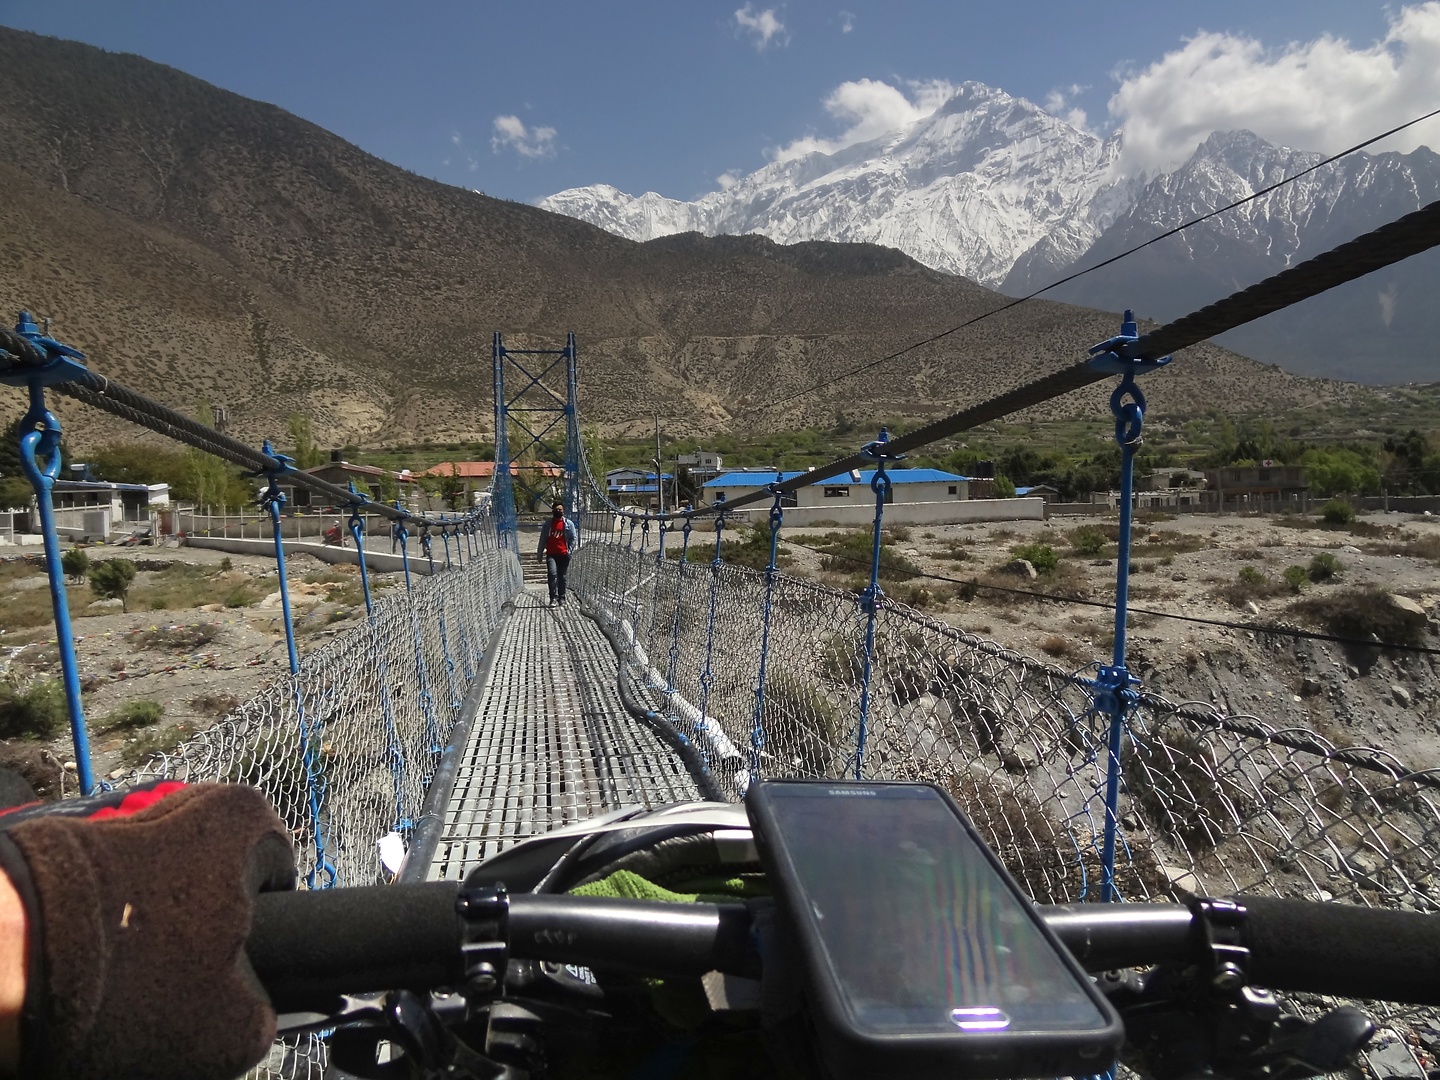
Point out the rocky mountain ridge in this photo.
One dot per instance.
(207, 249)
(993, 188)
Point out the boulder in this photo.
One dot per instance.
(1410, 610)
(1019, 758)
(1021, 568)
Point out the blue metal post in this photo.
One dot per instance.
(573, 449)
(41, 443)
(757, 730)
(502, 486)
(323, 874)
(870, 605)
(274, 501)
(422, 673)
(675, 618)
(357, 531)
(706, 676)
(1114, 685)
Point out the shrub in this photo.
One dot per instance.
(216, 705)
(75, 562)
(1250, 584)
(112, 579)
(1324, 566)
(133, 714)
(1088, 540)
(1337, 512)
(1362, 615)
(240, 596)
(1040, 556)
(1295, 577)
(148, 744)
(35, 713)
(1056, 646)
(803, 729)
(182, 638)
(1176, 780)
(226, 565)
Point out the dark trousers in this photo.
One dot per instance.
(556, 567)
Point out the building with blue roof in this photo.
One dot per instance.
(906, 486)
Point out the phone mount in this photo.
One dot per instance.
(1203, 1018)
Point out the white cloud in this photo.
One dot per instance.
(764, 25)
(455, 138)
(529, 142)
(1057, 103)
(1322, 95)
(847, 21)
(871, 109)
(727, 180)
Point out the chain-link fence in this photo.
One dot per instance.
(1209, 803)
(347, 748)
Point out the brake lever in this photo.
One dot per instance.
(363, 1010)
(1203, 1018)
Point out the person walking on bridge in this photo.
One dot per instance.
(558, 538)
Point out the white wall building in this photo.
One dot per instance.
(906, 485)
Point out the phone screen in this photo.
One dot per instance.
(920, 931)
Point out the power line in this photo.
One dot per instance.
(1089, 269)
(1284, 631)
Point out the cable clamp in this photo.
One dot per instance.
(875, 451)
(1108, 357)
(42, 359)
(1113, 690)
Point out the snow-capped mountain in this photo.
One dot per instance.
(966, 190)
(1377, 329)
(993, 188)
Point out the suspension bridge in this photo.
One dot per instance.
(466, 713)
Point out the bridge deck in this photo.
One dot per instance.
(551, 742)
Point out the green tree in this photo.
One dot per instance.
(112, 579)
(15, 489)
(302, 443)
(1341, 471)
(75, 563)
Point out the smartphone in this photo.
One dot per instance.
(923, 957)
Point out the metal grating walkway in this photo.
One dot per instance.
(551, 742)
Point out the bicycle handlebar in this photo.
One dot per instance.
(308, 948)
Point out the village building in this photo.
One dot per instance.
(906, 485)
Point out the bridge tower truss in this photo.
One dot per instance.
(537, 430)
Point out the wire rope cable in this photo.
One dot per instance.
(871, 364)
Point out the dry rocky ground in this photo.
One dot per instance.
(203, 632)
(1192, 566)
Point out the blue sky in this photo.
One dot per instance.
(523, 99)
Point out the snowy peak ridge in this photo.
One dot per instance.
(966, 190)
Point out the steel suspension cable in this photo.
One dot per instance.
(105, 394)
(871, 364)
(1382, 247)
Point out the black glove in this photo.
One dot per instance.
(138, 905)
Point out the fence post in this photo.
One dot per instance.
(40, 459)
(1115, 695)
(870, 598)
(323, 874)
(422, 673)
(706, 675)
(757, 729)
(675, 617)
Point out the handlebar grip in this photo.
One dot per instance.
(1343, 950)
(308, 948)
